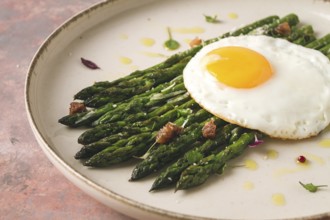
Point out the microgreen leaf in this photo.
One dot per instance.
(311, 187)
(211, 19)
(170, 43)
(256, 142)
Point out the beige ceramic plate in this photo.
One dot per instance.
(118, 36)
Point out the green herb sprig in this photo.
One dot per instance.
(171, 44)
(211, 19)
(311, 187)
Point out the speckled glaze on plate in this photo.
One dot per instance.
(124, 35)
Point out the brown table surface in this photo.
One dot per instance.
(30, 186)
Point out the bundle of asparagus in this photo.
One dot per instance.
(125, 116)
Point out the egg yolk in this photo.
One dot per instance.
(238, 67)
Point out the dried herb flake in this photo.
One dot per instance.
(89, 64)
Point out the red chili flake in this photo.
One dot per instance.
(168, 132)
(283, 29)
(77, 107)
(89, 64)
(301, 159)
(209, 129)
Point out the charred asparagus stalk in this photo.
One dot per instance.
(166, 153)
(172, 173)
(198, 173)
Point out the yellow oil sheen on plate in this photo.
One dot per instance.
(278, 199)
(251, 164)
(148, 42)
(325, 143)
(271, 154)
(125, 60)
(123, 36)
(248, 185)
(285, 171)
(191, 30)
(152, 54)
(232, 15)
(314, 158)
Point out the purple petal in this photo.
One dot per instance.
(256, 142)
(89, 64)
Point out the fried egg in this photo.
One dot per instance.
(263, 83)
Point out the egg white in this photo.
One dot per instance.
(293, 104)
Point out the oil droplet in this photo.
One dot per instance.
(325, 143)
(151, 54)
(271, 154)
(192, 30)
(250, 164)
(285, 171)
(278, 199)
(314, 158)
(248, 185)
(123, 36)
(233, 15)
(125, 60)
(148, 42)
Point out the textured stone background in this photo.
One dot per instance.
(30, 186)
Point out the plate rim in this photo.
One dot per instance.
(54, 157)
(60, 164)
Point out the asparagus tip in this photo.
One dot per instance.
(77, 156)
